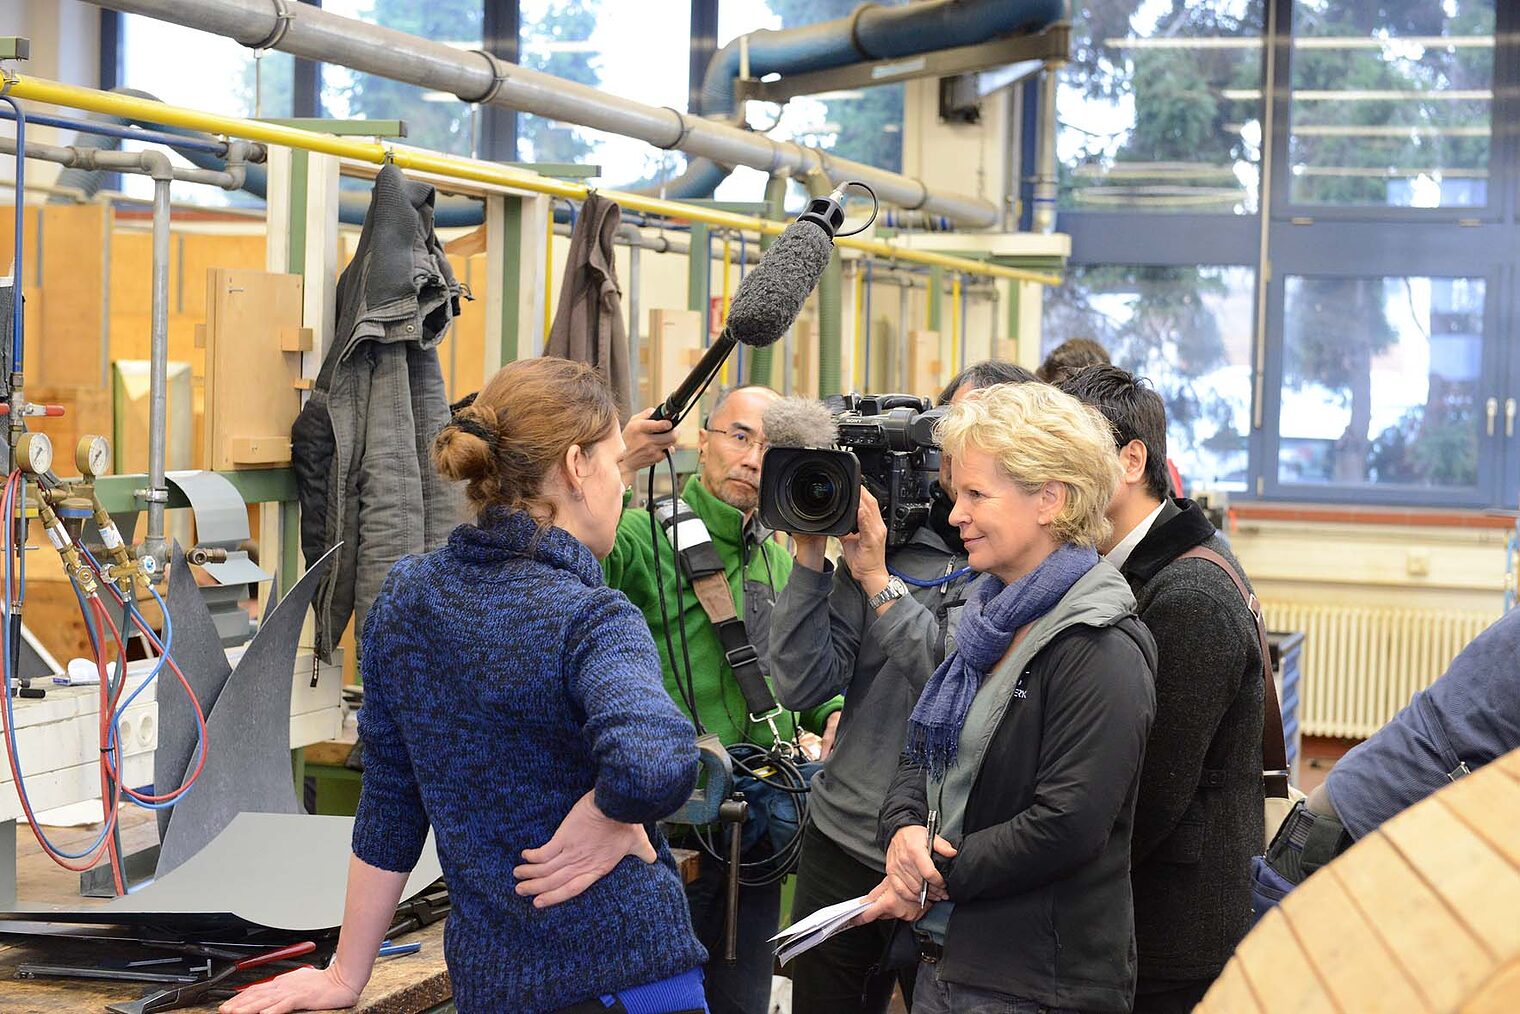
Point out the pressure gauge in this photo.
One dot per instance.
(93, 455)
(34, 453)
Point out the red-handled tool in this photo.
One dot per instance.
(183, 996)
(33, 408)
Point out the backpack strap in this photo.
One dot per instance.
(1274, 751)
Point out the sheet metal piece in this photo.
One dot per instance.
(221, 519)
(278, 870)
(197, 650)
(248, 764)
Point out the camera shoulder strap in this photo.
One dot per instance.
(703, 566)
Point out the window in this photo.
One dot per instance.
(862, 124)
(1392, 104)
(637, 51)
(207, 72)
(1380, 381)
(435, 120)
(1160, 108)
(1187, 329)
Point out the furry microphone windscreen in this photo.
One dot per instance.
(799, 422)
(771, 296)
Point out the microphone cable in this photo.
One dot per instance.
(688, 689)
(787, 777)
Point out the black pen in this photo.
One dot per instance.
(932, 826)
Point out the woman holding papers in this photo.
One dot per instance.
(1025, 747)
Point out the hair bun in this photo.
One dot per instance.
(466, 448)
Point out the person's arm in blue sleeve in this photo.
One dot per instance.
(390, 825)
(645, 748)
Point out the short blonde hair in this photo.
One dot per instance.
(1038, 434)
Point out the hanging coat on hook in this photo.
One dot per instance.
(361, 447)
(588, 325)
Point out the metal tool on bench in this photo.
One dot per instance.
(183, 996)
(423, 910)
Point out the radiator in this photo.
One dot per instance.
(1362, 664)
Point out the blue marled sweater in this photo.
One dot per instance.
(503, 681)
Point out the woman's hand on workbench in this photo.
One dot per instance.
(303, 989)
(585, 847)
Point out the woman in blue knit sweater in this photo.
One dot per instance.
(514, 703)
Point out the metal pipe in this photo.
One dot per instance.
(472, 170)
(158, 371)
(830, 312)
(217, 148)
(123, 161)
(17, 401)
(315, 34)
(1045, 180)
(635, 254)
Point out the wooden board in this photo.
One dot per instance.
(72, 347)
(1419, 915)
(250, 394)
(926, 364)
(462, 352)
(29, 250)
(803, 342)
(666, 355)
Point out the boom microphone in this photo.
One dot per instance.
(770, 297)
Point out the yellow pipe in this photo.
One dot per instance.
(549, 275)
(860, 288)
(955, 326)
(456, 167)
(723, 314)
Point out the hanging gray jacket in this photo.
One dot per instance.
(361, 447)
(588, 325)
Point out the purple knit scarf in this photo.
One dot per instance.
(994, 614)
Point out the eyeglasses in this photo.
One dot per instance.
(742, 439)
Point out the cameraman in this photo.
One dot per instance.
(724, 495)
(862, 630)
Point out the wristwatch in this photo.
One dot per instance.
(895, 589)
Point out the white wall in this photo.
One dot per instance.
(65, 37)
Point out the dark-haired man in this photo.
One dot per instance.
(1198, 820)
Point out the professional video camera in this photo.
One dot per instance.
(822, 452)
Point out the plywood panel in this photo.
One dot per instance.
(131, 274)
(666, 356)
(804, 345)
(198, 253)
(29, 267)
(926, 366)
(462, 351)
(250, 394)
(75, 239)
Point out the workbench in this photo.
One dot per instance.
(408, 984)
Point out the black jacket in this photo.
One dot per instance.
(1199, 818)
(1041, 881)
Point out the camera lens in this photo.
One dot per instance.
(813, 495)
(816, 492)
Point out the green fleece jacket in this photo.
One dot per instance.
(757, 570)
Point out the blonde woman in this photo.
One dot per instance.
(1026, 744)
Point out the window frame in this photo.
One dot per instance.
(1481, 242)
